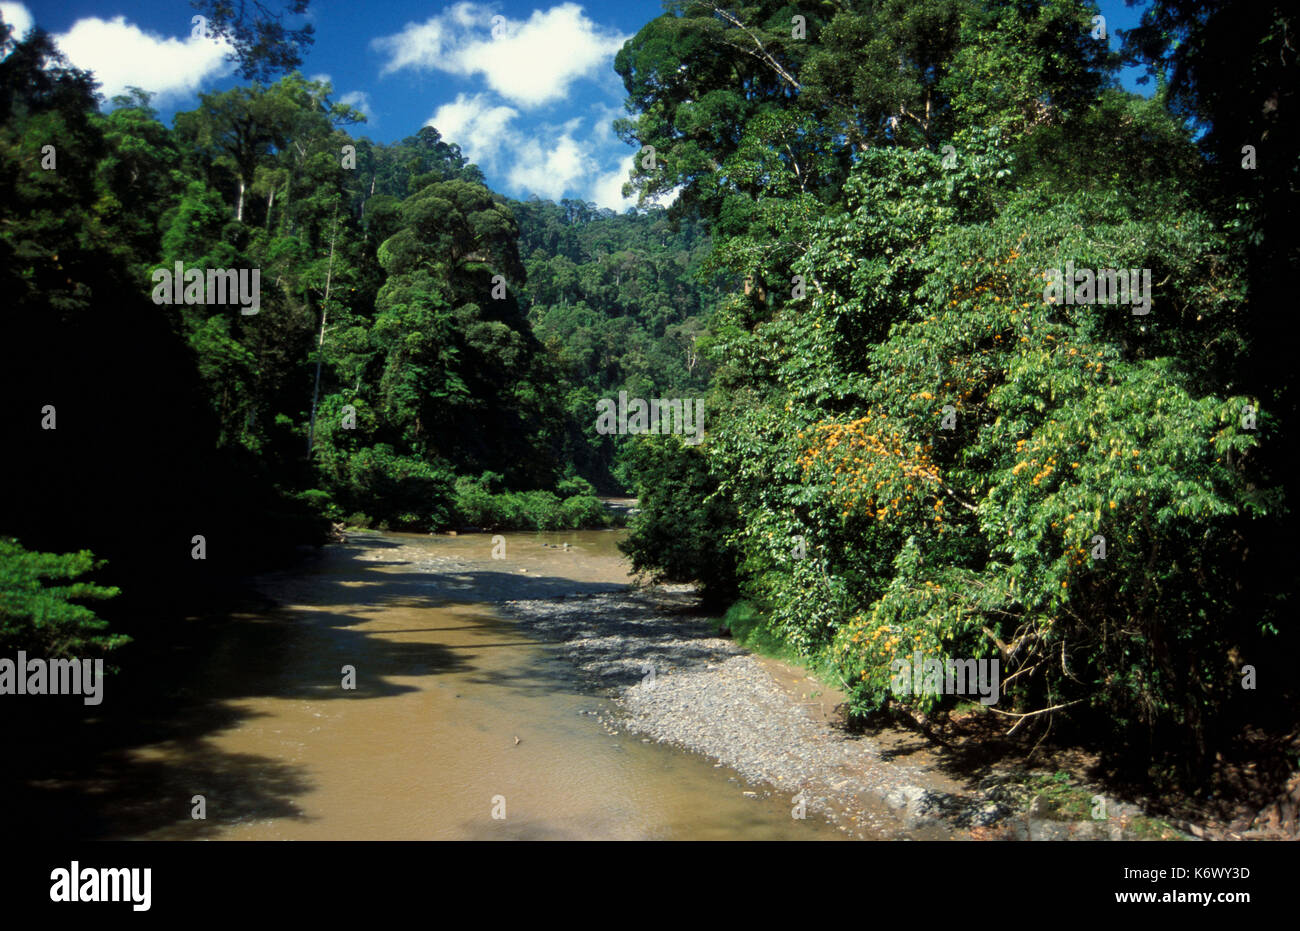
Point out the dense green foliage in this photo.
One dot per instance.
(47, 618)
(681, 532)
(483, 504)
(392, 373)
(117, 428)
(922, 451)
(911, 446)
(620, 302)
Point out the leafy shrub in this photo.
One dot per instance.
(530, 510)
(574, 486)
(680, 533)
(44, 618)
(752, 629)
(1070, 423)
(402, 492)
(476, 506)
(582, 511)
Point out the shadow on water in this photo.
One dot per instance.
(244, 707)
(131, 765)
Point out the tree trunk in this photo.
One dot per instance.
(320, 343)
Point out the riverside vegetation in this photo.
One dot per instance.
(384, 381)
(908, 448)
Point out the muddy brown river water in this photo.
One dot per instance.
(455, 713)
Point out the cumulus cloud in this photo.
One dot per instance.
(550, 168)
(121, 55)
(529, 62)
(551, 161)
(607, 190)
(359, 100)
(523, 64)
(480, 129)
(546, 160)
(17, 16)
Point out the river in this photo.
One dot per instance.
(456, 718)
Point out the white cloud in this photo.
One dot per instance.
(607, 190)
(547, 160)
(121, 54)
(603, 123)
(550, 169)
(17, 16)
(359, 100)
(529, 62)
(479, 128)
(416, 46)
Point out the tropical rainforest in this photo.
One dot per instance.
(910, 446)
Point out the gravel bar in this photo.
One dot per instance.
(674, 680)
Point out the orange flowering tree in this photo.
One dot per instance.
(977, 471)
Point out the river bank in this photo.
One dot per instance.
(672, 679)
(675, 680)
(519, 666)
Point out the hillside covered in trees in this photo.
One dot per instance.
(426, 354)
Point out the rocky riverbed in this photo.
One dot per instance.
(672, 678)
(675, 680)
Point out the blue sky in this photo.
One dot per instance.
(532, 105)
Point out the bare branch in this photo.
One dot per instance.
(762, 54)
(1029, 714)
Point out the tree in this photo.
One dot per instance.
(139, 174)
(262, 45)
(236, 130)
(893, 393)
(672, 538)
